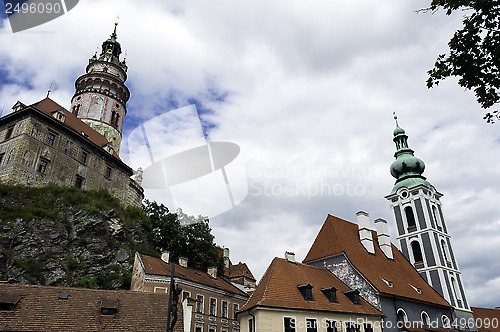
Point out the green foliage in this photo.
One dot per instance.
(34, 269)
(86, 282)
(193, 240)
(474, 54)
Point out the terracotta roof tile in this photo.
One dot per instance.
(487, 320)
(240, 270)
(154, 265)
(338, 236)
(40, 308)
(278, 289)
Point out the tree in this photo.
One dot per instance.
(183, 236)
(474, 54)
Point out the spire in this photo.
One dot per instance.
(111, 50)
(407, 169)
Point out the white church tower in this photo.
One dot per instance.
(422, 233)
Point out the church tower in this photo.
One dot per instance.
(422, 233)
(101, 95)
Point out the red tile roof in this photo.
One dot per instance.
(48, 106)
(487, 320)
(340, 236)
(278, 289)
(154, 265)
(39, 308)
(239, 270)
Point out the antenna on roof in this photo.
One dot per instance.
(48, 91)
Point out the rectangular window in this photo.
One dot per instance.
(351, 327)
(289, 324)
(107, 173)
(224, 309)
(368, 327)
(311, 325)
(1, 157)
(211, 329)
(84, 156)
(250, 325)
(185, 295)
(42, 166)
(51, 137)
(198, 329)
(79, 181)
(199, 304)
(331, 326)
(213, 306)
(10, 130)
(236, 307)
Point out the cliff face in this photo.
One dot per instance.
(65, 237)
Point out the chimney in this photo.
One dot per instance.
(384, 240)
(183, 261)
(212, 271)
(165, 256)
(290, 256)
(226, 257)
(365, 233)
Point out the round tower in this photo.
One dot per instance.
(101, 95)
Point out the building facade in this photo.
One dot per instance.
(216, 300)
(43, 143)
(422, 233)
(295, 297)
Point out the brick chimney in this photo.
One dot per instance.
(165, 256)
(226, 257)
(183, 261)
(365, 233)
(384, 240)
(290, 256)
(212, 271)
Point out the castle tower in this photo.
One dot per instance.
(101, 95)
(422, 233)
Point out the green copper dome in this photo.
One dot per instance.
(407, 169)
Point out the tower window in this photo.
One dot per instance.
(438, 221)
(107, 173)
(444, 247)
(410, 218)
(417, 252)
(425, 319)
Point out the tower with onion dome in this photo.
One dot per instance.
(422, 233)
(101, 95)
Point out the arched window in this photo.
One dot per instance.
(410, 217)
(444, 247)
(455, 291)
(425, 319)
(446, 321)
(417, 252)
(10, 158)
(436, 218)
(401, 317)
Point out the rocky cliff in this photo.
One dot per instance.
(67, 237)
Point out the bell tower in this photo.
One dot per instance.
(101, 95)
(422, 233)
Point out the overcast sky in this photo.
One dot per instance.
(307, 91)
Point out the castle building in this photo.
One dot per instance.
(43, 143)
(422, 233)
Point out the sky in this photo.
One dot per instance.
(306, 91)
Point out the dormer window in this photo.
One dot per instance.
(330, 293)
(108, 307)
(353, 295)
(8, 302)
(306, 292)
(108, 311)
